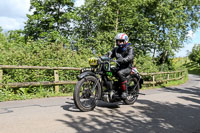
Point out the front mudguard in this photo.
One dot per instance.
(86, 73)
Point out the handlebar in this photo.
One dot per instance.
(115, 62)
(105, 58)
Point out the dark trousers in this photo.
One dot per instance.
(123, 73)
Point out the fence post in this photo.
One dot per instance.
(178, 75)
(167, 77)
(56, 77)
(182, 75)
(1, 77)
(153, 80)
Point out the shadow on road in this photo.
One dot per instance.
(70, 106)
(145, 116)
(187, 90)
(153, 117)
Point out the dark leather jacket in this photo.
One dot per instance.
(126, 56)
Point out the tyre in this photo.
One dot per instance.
(86, 93)
(133, 90)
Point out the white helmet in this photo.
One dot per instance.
(122, 36)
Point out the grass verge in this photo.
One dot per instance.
(31, 96)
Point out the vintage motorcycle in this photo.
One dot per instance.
(100, 82)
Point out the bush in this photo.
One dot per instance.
(195, 54)
(38, 53)
(145, 64)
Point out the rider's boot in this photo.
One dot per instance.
(124, 90)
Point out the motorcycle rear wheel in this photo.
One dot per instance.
(86, 93)
(132, 96)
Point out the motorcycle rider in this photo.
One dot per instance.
(124, 55)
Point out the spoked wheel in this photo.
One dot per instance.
(86, 93)
(133, 90)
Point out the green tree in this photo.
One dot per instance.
(195, 54)
(16, 36)
(49, 16)
(159, 26)
(155, 26)
(2, 36)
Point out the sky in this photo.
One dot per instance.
(194, 39)
(13, 15)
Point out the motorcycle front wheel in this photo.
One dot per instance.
(86, 93)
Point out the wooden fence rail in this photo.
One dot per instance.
(177, 75)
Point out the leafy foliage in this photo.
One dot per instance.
(49, 16)
(37, 53)
(195, 54)
(158, 26)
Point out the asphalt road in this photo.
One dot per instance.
(166, 110)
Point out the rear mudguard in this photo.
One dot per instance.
(140, 79)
